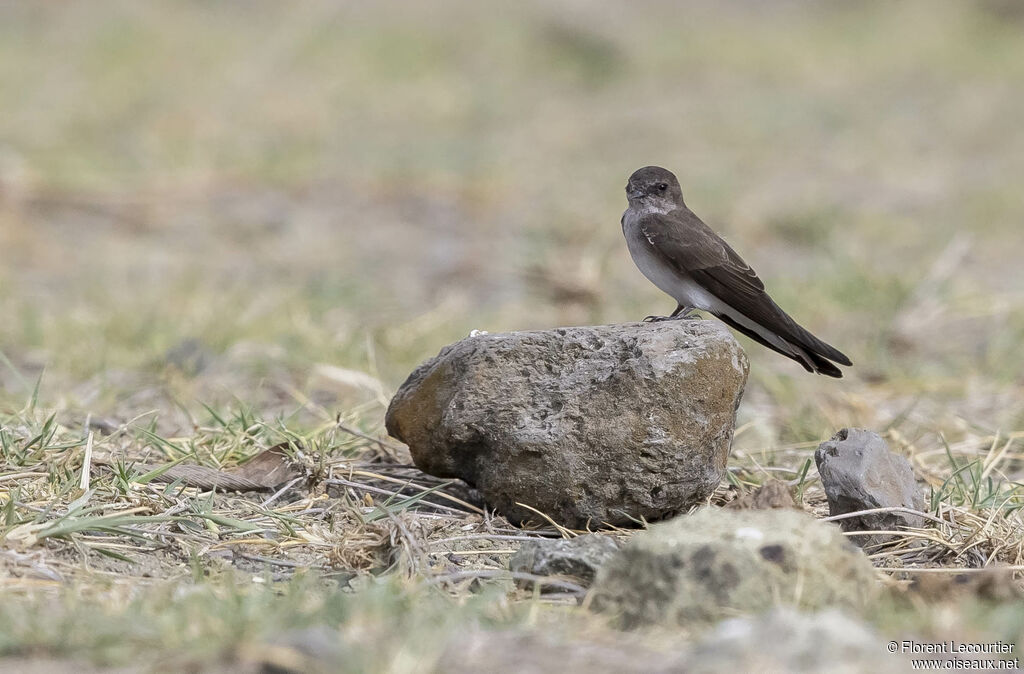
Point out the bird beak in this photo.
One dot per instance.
(633, 194)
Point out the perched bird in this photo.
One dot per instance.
(696, 267)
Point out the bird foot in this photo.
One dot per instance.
(680, 314)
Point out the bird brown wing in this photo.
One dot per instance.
(686, 243)
(683, 241)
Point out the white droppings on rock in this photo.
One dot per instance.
(750, 534)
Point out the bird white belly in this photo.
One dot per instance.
(680, 286)
(677, 285)
(685, 291)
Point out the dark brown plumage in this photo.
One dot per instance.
(689, 261)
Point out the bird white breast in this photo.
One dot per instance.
(670, 281)
(678, 285)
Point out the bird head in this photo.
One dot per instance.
(654, 187)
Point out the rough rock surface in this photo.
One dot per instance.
(784, 640)
(859, 472)
(594, 424)
(578, 557)
(715, 563)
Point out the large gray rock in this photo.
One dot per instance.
(578, 557)
(717, 563)
(595, 424)
(858, 472)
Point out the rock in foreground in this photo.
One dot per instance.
(545, 651)
(859, 472)
(603, 424)
(716, 563)
(784, 640)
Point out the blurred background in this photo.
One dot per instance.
(287, 206)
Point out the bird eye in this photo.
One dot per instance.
(662, 187)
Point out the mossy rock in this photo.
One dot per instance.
(717, 563)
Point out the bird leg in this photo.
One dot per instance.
(681, 312)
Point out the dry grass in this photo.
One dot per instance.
(350, 511)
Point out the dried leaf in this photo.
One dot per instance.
(266, 470)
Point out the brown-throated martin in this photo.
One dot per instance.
(696, 267)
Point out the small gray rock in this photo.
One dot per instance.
(578, 557)
(716, 563)
(785, 640)
(859, 472)
(601, 424)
